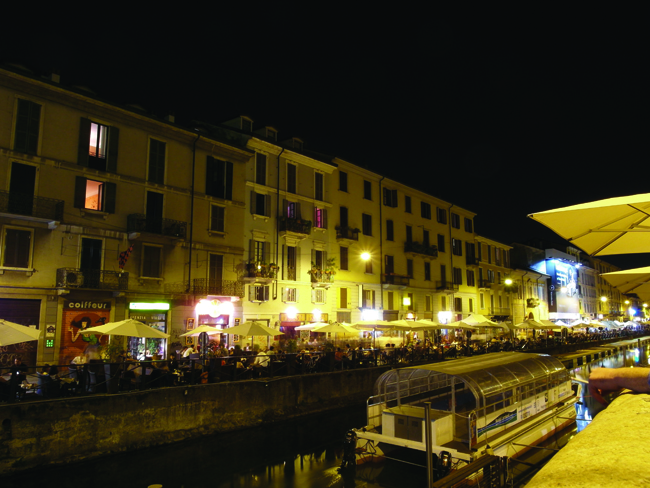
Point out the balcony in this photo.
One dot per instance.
(29, 207)
(446, 286)
(321, 279)
(95, 279)
(259, 272)
(203, 286)
(485, 284)
(294, 228)
(392, 280)
(422, 249)
(347, 235)
(163, 227)
(472, 261)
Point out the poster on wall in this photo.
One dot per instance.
(73, 343)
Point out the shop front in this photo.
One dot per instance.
(215, 312)
(80, 315)
(290, 320)
(153, 314)
(24, 312)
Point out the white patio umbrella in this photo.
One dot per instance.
(129, 328)
(252, 328)
(11, 333)
(636, 280)
(611, 226)
(311, 326)
(208, 329)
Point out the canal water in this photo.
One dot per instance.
(303, 453)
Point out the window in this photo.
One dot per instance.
(425, 238)
(260, 204)
(217, 218)
(291, 268)
(390, 198)
(320, 218)
(481, 300)
(457, 247)
(455, 221)
(218, 180)
(291, 178)
(443, 303)
(409, 268)
(458, 276)
(319, 295)
(471, 305)
(407, 204)
(425, 210)
(343, 181)
(367, 190)
(319, 191)
(391, 304)
(367, 224)
(409, 234)
(28, 125)
(411, 305)
(343, 297)
(290, 295)
(441, 243)
(458, 304)
(471, 280)
(490, 275)
(151, 261)
(369, 266)
(157, 151)
(470, 251)
(389, 230)
(497, 256)
(291, 209)
(343, 217)
(17, 248)
(271, 134)
(468, 225)
(258, 251)
(260, 169)
(427, 271)
(344, 258)
(98, 146)
(258, 293)
(441, 215)
(389, 266)
(427, 303)
(94, 195)
(368, 299)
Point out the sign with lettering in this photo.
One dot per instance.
(86, 305)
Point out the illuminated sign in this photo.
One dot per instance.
(148, 306)
(562, 288)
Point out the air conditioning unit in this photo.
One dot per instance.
(72, 278)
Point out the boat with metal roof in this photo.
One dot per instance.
(502, 403)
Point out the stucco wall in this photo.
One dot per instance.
(62, 431)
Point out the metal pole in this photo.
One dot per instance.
(428, 442)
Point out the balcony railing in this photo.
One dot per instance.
(96, 279)
(298, 226)
(417, 248)
(165, 227)
(203, 286)
(261, 270)
(318, 276)
(347, 233)
(398, 280)
(31, 206)
(485, 284)
(446, 285)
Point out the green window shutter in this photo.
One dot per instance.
(84, 142)
(80, 192)
(110, 197)
(113, 144)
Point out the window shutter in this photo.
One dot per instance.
(229, 176)
(253, 201)
(84, 142)
(324, 218)
(267, 205)
(110, 197)
(80, 192)
(251, 293)
(266, 293)
(298, 214)
(284, 294)
(113, 144)
(211, 177)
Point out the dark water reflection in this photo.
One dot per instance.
(302, 453)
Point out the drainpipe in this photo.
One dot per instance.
(451, 258)
(189, 272)
(381, 250)
(277, 220)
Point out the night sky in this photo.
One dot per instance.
(503, 123)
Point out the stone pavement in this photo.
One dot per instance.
(613, 451)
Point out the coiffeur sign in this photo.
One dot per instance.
(79, 315)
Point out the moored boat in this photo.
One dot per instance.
(501, 403)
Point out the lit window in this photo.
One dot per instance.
(95, 195)
(320, 218)
(97, 143)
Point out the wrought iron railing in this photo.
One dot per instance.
(204, 286)
(165, 227)
(299, 226)
(91, 278)
(393, 279)
(347, 233)
(446, 285)
(40, 207)
(318, 276)
(416, 247)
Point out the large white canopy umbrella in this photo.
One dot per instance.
(252, 328)
(337, 328)
(311, 326)
(129, 328)
(11, 333)
(611, 226)
(636, 280)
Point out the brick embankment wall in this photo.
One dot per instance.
(614, 450)
(68, 430)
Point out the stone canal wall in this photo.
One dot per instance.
(68, 430)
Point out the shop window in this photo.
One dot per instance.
(95, 195)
